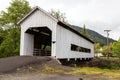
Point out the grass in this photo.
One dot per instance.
(110, 58)
(48, 69)
(89, 70)
(111, 73)
(83, 71)
(107, 72)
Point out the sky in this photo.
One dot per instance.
(97, 15)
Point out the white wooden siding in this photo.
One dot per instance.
(64, 40)
(37, 19)
(62, 37)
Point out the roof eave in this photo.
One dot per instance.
(67, 27)
(58, 22)
(35, 9)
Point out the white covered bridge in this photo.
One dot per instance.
(44, 35)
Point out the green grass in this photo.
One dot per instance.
(110, 58)
(110, 73)
(48, 69)
(89, 70)
(82, 71)
(48, 48)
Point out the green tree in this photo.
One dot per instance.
(84, 31)
(10, 46)
(58, 15)
(116, 49)
(110, 49)
(97, 47)
(105, 50)
(8, 19)
(17, 10)
(3, 33)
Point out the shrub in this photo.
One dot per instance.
(105, 63)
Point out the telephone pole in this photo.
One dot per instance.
(107, 31)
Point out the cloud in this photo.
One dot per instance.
(4, 4)
(98, 15)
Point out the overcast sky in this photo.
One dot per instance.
(97, 15)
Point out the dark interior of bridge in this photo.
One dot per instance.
(42, 40)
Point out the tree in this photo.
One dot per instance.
(3, 33)
(84, 31)
(10, 46)
(110, 49)
(105, 50)
(58, 15)
(116, 49)
(17, 10)
(8, 19)
(97, 47)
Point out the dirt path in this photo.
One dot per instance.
(12, 63)
(36, 76)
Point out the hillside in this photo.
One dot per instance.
(95, 36)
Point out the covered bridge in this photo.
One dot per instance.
(44, 35)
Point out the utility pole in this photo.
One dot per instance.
(107, 31)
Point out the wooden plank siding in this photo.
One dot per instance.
(64, 40)
(62, 36)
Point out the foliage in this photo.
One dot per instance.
(104, 63)
(58, 15)
(116, 49)
(97, 47)
(3, 33)
(10, 46)
(17, 10)
(111, 58)
(8, 19)
(84, 31)
(105, 50)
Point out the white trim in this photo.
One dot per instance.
(37, 8)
